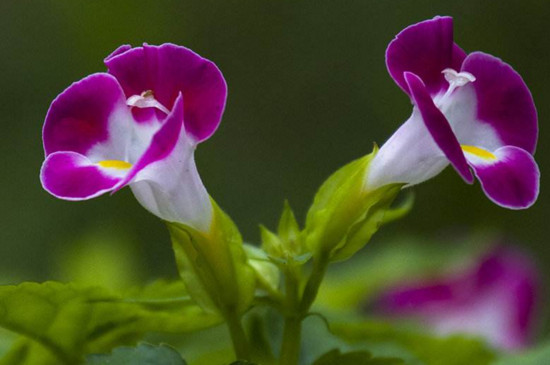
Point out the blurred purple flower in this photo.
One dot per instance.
(472, 111)
(137, 125)
(495, 299)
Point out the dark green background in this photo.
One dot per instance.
(308, 92)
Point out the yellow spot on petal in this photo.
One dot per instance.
(479, 152)
(115, 164)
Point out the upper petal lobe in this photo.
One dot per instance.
(168, 70)
(503, 100)
(79, 118)
(425, 49)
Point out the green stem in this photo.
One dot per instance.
(318, 272)
(292, 334)
(238, 336)
(297, 308)
(290, 347)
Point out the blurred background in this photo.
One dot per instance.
(308, 92)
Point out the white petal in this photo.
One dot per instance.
(172, 189)
(410, 156)
(120, 133)
(460, 109)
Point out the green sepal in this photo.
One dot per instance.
(377, 205)
(289, 230)
(267, 273)
(401, 210)
(213, 264)
(345, 214)
(271, 242)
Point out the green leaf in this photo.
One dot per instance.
(207, 347)
(213, 265)
(7, 339)
(144, 354)
(318, 340)
(431, 350)
(28, 352)
(354, 358)
(70, 320)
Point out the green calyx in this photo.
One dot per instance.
(214, 265)
(345, 214)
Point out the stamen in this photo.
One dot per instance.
(479, 152)
(458, 78)
(115, 164)
(146, 100)
(455, 80)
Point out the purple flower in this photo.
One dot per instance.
(137, 125)
(472, 111)
(495, 299)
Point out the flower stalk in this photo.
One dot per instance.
(240, 342)
(298, 307)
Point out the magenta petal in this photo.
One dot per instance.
(72, 176)
(438, 126)
(120, 50)
(504, 101)
(168, 70)
(162, 144)
(425, 49)
(79, 117)
(512, 181)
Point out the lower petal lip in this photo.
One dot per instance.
(511, 180)
(72, 176)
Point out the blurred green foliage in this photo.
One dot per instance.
(68, 323)
(143, 354)
(61, 323)
(308, 92)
